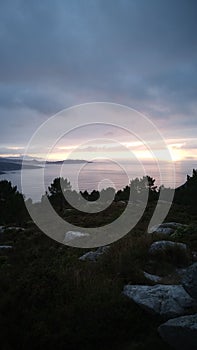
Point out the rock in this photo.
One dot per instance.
(10, 228)
(162, 230)
(153, 278)
(173, 225)
(189, 280)
(166, 228)
(181, 332)
(159, 246)
(5, 247)
(121, 204)
(14, 228)
(194, 256)
(94, 255)
(71, 235)
(165, 300)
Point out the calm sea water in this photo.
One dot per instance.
(98, 175)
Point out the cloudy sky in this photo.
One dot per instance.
(56, 54)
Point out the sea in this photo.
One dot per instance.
(99, 174)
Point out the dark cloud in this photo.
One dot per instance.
(58, 53)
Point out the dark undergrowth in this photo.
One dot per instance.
(50, 299)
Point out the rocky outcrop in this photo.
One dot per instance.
(163, 300)
(94, 255)
(175, 303)
(181, 332)
(159, 246)
(189, 280)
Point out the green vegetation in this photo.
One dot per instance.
(51, 300)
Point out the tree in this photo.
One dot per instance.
(187, 193)
(12, 206)
(59, 185)
(107, 194)
(137, 190)
(57, 190)
(94, 195)
(85, 194)
(123, 195)
(143, 188)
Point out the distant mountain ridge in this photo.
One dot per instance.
(69, 161)
(11, 164)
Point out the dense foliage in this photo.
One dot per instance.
(12, 207)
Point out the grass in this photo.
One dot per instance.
(49, 299)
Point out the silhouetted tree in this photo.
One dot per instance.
(85, 194)
(57, 190)
(187, 193)
(138, 189)
(12, 206)
(108, 194)
(94, 195)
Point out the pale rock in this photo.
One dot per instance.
(94, 255)
(71, 235)
(5, 247)
(153, 278)
(163, 300)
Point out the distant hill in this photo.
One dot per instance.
(69, 161)
(6, 165)
(11, 164)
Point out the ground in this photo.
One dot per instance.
(51, 299)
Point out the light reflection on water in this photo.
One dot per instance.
(92, 174)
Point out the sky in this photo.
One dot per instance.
(57, 54)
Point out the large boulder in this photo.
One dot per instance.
(165, 300)
(94, 255)
(159, 246)
(189, 280)
(166, 228)
(181, 332)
